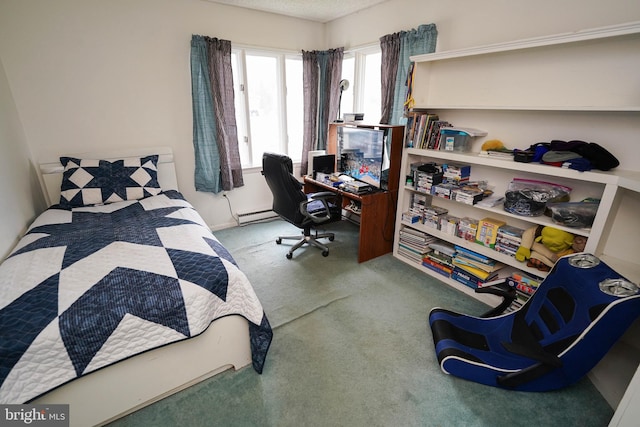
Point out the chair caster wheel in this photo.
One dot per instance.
(331, 238)
(289, 256)
(325, 253)
(278, 241)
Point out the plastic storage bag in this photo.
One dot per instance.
(527, 197)
(574, 214)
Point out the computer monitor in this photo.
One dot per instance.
(364, 155)
(324, 164)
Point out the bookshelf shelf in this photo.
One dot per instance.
(567, 86)
(599, 33)
(577, 108)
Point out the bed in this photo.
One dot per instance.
(119, 295)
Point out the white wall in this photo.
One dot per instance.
(467, 23)
(95, 74)
(20, 197)
(92, 74)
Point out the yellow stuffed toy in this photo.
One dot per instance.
(542, 246)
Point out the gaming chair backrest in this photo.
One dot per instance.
(569, 304)
(285, 188)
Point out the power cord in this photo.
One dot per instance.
(234, 216)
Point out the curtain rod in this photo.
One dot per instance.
(298, 52)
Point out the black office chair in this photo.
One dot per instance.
(305, 211)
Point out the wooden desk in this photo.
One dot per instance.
(377, 217)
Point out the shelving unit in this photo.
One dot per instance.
(499, 173)
(580, 85)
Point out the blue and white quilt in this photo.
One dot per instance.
(89, 286)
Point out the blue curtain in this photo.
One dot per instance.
(207, 167)
(413, 42)
(215, 134)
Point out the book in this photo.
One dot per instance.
(529, 280)
(476, 272)
(489, 268)
(464, 277)
(436, 132)
(522, 287)
(455, 276)
(493, 282)
(425, 130)
(474, 255)
(437, 268)
(443, 247)
(506, 155)
(440, 258)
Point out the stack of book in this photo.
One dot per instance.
(440, 259)
(497, 154)
(433, 140)
(419, 202)
(525, 286)
(424, 181)
(474, 269)
(509, 240)
(433, 215)
(468, 194)
(468, 228)
(449, 224)
(456, 173)
(445, 190)
(357, 187)
(423, 129)
(414, 244)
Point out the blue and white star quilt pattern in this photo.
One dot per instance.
(89, 286)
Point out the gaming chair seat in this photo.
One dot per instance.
(575, 316)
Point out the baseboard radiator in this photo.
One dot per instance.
(257, 215)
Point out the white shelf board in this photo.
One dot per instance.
(568, 108)
(476, 247)
(541, 220)
(556, 39)
(608, 177)
(629, 180)
(490, 300)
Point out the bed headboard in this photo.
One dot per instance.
(51, 173)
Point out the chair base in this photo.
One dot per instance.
(308, 238)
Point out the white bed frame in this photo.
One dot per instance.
(117, 390)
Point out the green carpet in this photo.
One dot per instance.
(352, 347)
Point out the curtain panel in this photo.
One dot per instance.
(396, 50)
(322, 71)
(390, 47)
(215, 135)
(310, 81)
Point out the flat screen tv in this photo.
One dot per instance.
(363, 154)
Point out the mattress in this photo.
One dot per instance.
(89, 286)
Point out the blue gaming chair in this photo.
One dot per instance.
(578, 312)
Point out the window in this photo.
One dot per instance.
(268, 98)
(362, 68)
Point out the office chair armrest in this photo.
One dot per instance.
(325, 213)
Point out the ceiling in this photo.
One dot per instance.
(313, 10)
